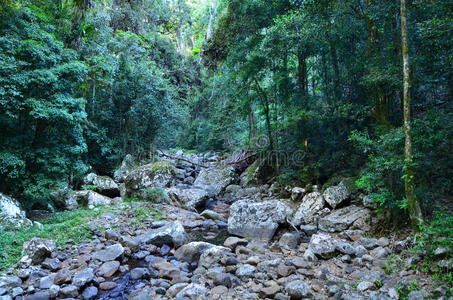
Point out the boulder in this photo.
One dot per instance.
(297, 193)
(39, 249)
(289, 240)
(214, 181)
(94, 199)
(170, 234)
(336, 195)
(189, 198)
(368, 202)
(257, 220)
(157, 175)
(322, 245)
(191, 252)
(103, 184)
(251, 175)
(11, 216)
(74, 199)
(127, 165)
(311, 205)
(344, 218)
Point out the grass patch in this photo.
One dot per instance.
(60, 227)
(141, 214)
(434, 236)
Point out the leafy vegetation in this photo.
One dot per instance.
(60, 227)
(435, 247)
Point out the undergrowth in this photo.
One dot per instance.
(60, 227)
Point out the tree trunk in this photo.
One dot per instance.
(377, 92)
(302, 72)
(336, 73)
(212, 17)
(412, 203)
(265, 103)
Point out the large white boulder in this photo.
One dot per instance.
(257, 220)
(11, 215)
(311, 205)
(189, 198)
(103, 184)
(350, 217)
(336, 195)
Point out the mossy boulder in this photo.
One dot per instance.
(156, 175)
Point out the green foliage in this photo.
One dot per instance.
(41, 122)
(60, 227)
(154, 195)
(404, 291)
(437, 234)
(383, 176)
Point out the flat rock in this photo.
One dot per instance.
(343, 218)
(170, 234)
(110, 253)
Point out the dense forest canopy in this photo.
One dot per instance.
(85, 82)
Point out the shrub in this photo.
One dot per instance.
(155, 195)
(434, 236)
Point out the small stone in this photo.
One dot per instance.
(245, 271)
(297, 289)
(175, 289)
(232, 242)
(253, 260)
(112, 235)
(54, 290)
(365, 285)
(83, 277)
(63, 276)
(164, 250)
(108, 268)
(69, 291)
(107, 285)
(17, 291)
(47, 281)
(270, 291)
(284, 271)
(110, 253)
(383, 242)
(139, 273)
(440, 252)
(299, 262)
(289, 241)
(192, 291)
(40, 295)
(52, 264)
(225, 279)
(380, 252)
(90, 293)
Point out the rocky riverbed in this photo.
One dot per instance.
(219, 234)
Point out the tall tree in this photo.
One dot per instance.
(412, 203)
